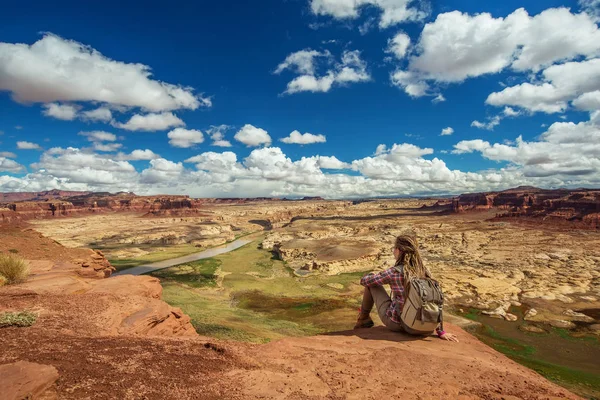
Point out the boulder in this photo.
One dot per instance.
(26, 380)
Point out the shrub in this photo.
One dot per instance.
(21, 319)
(14, 268)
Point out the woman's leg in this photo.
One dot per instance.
(383, 301)
(364, 318)
(367, 302)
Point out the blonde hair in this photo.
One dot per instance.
(410, 258)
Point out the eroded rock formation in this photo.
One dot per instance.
(581, 207)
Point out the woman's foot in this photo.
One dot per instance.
(364, 321)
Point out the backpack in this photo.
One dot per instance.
(423, 306)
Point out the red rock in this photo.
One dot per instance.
(26, 380)
(578, 208)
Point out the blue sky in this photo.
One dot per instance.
(214, 65)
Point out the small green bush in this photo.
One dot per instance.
(21, 319)
(14, 268)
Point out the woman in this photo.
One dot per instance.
(406, 252)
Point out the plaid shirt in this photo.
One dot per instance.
(396, 281)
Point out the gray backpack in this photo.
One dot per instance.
(423, 306)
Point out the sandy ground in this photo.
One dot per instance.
(106, 338)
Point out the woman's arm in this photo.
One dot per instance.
(445, 335)
(378, 279)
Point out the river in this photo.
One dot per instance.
(144, 269)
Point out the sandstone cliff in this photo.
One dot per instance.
(581, 207)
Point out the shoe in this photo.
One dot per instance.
(364, 322)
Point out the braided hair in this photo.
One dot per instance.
(410, 258)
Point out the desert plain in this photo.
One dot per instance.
(530, 290)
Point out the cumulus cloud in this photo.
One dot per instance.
(101, 114)
(565, 150)
(331, 162)
(7, 154)
(54, 69)
(81, 167)
(509, 112)
(8, 165)
(151, 122)
(401, 169)
(306, 138)
(161, 171)
(351, 69)
(592, 7)
(23, 145)
(302, 62)
(560, 84)
(457, 46)
(107, 147)
(398, 45)
(447, 131)
(217, 134)
(137, 155)
(185, 138)
(252, 136)
(412, 83)
(392, 11)
(489, 125)
(66, 112)
(99, 136)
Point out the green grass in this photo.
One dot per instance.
(582, 382)
(257, 298)
(19, 319)
(165, 253)
(196, 274)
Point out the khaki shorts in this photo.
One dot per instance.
(382, 303)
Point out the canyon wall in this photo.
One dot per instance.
(580, 207)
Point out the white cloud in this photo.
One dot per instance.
(137, 155)
(217, 134)
(438, 99)
(66, 112)
(411, 82)
(55, 69)
(23, 145)
(99, 136)
(7, 154)
(252, 136)
(8, 165)
(161, 171)
(77, 166)
(509, 112)
(398, 45)
(302, 62)
(306, 138)
(185, 138)
(331, 162)
(588, 101)
(489, 125)
(351, 69)
(447, 131)
(592, 7)
(392, 11)
(101, 114)
(381, 149)
(457, 46)
(565, 150)
(108, 147)
(151, 122)
(562, 83)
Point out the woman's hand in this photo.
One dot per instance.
(449, 337)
